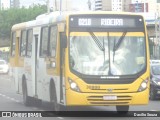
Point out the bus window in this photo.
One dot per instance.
(29, 42)
(53, 39)
(23, 43)
(13, 44)
(44, 42)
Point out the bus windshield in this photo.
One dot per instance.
(87, 58)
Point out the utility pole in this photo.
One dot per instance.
(55, 2)
(60, 6)
(89, 4)
(136, 6)
(144, 6)
(157, 31)
(48, 6)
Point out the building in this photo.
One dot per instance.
(4, 4)
(14, 4)
(131, 5)
(115, 5)
(7, 4)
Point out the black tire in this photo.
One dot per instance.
(122, 109)
(152, 94)
(53, 100)
(36, 102)
(26, 99)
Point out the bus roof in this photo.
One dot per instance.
(55, 17)
(40, 20)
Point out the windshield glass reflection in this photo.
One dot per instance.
(87, 58)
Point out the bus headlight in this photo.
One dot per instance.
(143, 85)
(73, 85)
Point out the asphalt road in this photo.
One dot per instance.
(10, 101)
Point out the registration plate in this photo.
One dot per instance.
(109, 97)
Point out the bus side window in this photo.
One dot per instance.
(29, 42)
(44, 42)
(53, 41)
(23, 43)
(13, 45)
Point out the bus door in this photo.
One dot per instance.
(14, 58)
(34, 64)
(63, 45)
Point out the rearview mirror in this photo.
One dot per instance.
(63, 40)
(151, 76)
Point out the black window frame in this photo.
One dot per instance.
(27, 43)
(13, 41)
(49, 42)
(40, 51)
(20, 52)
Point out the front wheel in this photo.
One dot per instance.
(122, 109)
(55, 106)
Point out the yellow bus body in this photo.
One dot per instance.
(89, 94)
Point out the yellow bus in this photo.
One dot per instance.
(82, 59)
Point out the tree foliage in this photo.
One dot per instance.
(17, 15)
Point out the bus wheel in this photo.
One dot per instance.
(26, 99)
(53, 100)
(122, 109)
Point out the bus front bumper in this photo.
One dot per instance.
(96, 99)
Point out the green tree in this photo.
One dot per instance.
(14, 15)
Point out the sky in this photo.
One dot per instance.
(75, 4)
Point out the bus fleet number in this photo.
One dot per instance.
(84, 22)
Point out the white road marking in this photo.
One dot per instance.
(153, 110)
(40, 109)
(60, 118)
(3, 95)
(13, 99)
(35, 108)
(9, 98)
(17, 101)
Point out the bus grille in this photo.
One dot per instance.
(98, 100)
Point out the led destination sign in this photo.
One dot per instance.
(106, 21)
(103, 22)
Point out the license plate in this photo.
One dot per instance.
(109, 97)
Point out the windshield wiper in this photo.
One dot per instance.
(97, 41)
(117, 45)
